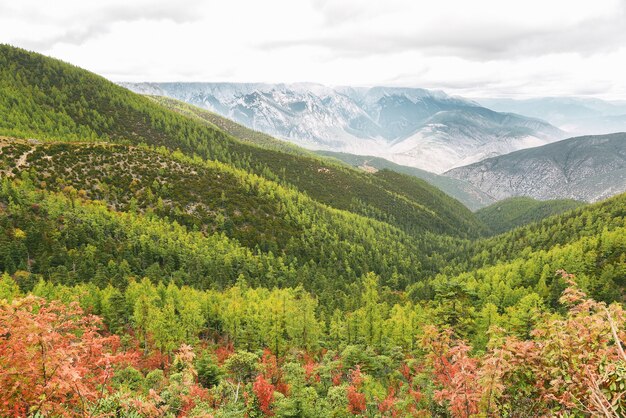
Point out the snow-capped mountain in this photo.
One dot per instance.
(416, 127)
(587, 168)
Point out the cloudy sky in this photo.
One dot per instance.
(473, 48)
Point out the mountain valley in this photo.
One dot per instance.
(293, 250)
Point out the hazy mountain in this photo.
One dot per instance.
(416, 127)
(587, 168)
(580, 116)
(462, 136)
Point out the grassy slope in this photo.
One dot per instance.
(517, 211)
(48, 99)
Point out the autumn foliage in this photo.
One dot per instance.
(455, 372)
(356, 399)
(56, 360)
(573, 364)
(53, 360)
(264, 392)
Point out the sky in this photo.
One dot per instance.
(477, 48)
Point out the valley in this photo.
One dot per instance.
(252, 250)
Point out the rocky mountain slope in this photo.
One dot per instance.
(416, 127)
(588, 168)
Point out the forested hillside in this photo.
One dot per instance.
(45, 98)
(303, 168)
(464, 192)
(517, 211)
(199, 323)
(306, 243)
(154, 265)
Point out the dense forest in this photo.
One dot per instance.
(155, 262)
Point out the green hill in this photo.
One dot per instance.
(314, 240)
(517, 211)
(342, 187)
(47, 99)
(582, 223)
(464, 192)
(589, 240)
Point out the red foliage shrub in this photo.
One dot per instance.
(155, 360)
(387, 407)
(311, 373)
(456, 373)
(356, 401)
(222, 352)
(196, 394)
(336, 376)
(53, 359)
(264, 392)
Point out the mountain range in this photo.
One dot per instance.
(413, 131)
(416, 127)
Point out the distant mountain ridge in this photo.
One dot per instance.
(587, 168)
(410, 126)
(578, 115)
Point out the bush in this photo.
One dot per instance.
(209, 374)
(129, 378)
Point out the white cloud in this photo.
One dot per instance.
(478, 48)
